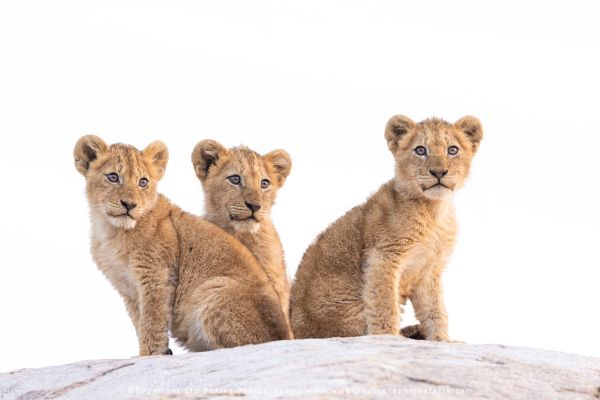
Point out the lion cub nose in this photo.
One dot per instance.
(128, 206)
(253, 206)
(438, 173)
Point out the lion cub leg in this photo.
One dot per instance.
(155, 294)
(133, 309)
(430, 310)
(381, 295)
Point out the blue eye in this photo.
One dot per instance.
(264, 183)
(234, 179)
(143, 182)
(453, 150)
(420, 151)
(113, 177)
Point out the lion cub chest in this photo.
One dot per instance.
(110, 255)
(431, 253)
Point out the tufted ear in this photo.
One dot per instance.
(396, 128)
(158, 154)
(281, 162)
(206, 153)
(472, 128)
(87, 149)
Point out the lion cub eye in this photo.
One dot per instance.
(113, 177)
(452, 150)
(264, 183)
(234, 179)
(143, 182)
(420, 151)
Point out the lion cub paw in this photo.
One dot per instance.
(412, 332)
(156, 352)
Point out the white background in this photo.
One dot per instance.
(319, 79)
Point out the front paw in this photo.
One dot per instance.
(155, 351)
(412, 332)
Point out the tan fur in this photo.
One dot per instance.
(357, 275)
(228, 205)
(174, 270)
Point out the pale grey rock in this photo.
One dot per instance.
(363, 367)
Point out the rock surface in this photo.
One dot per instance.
(364, 367)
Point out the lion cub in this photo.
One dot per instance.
(357, 275)
(174, 270)
(240, 187)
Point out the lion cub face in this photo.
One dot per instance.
(240, 185)
(121, 180)
(433, 157)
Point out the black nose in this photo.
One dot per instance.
(253, 206)
(128, 206)
(438, 174)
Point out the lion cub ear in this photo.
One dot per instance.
(158, 154)
(206, 153)
(87, 149)
(472, 128)
(281, 162)
(396, 128)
